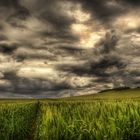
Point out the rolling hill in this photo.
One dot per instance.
(120, 93)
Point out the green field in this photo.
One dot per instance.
(110, 115)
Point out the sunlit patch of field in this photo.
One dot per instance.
(93, 120)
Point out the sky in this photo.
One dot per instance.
(62, 48)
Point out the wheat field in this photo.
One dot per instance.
(70, 119)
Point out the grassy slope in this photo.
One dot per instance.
(111, 94)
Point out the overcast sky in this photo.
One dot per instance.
(59, 48)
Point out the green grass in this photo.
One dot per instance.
(110, 115)
(16, 120)
(89, 121)
(111, 95)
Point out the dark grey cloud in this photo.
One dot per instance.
(1, 27)
(31, 86)
(104, 48)
(7, 48)
(32, 53)
(109, 42)
(42, 55)
(131, 2)
(97, 68)
(104, 11)
(48, 12)
(135, 73)
(62, 36)
(19, 11)
(3, 37)
(107, 63)
(9, 3)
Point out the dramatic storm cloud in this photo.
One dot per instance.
(57, 48)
